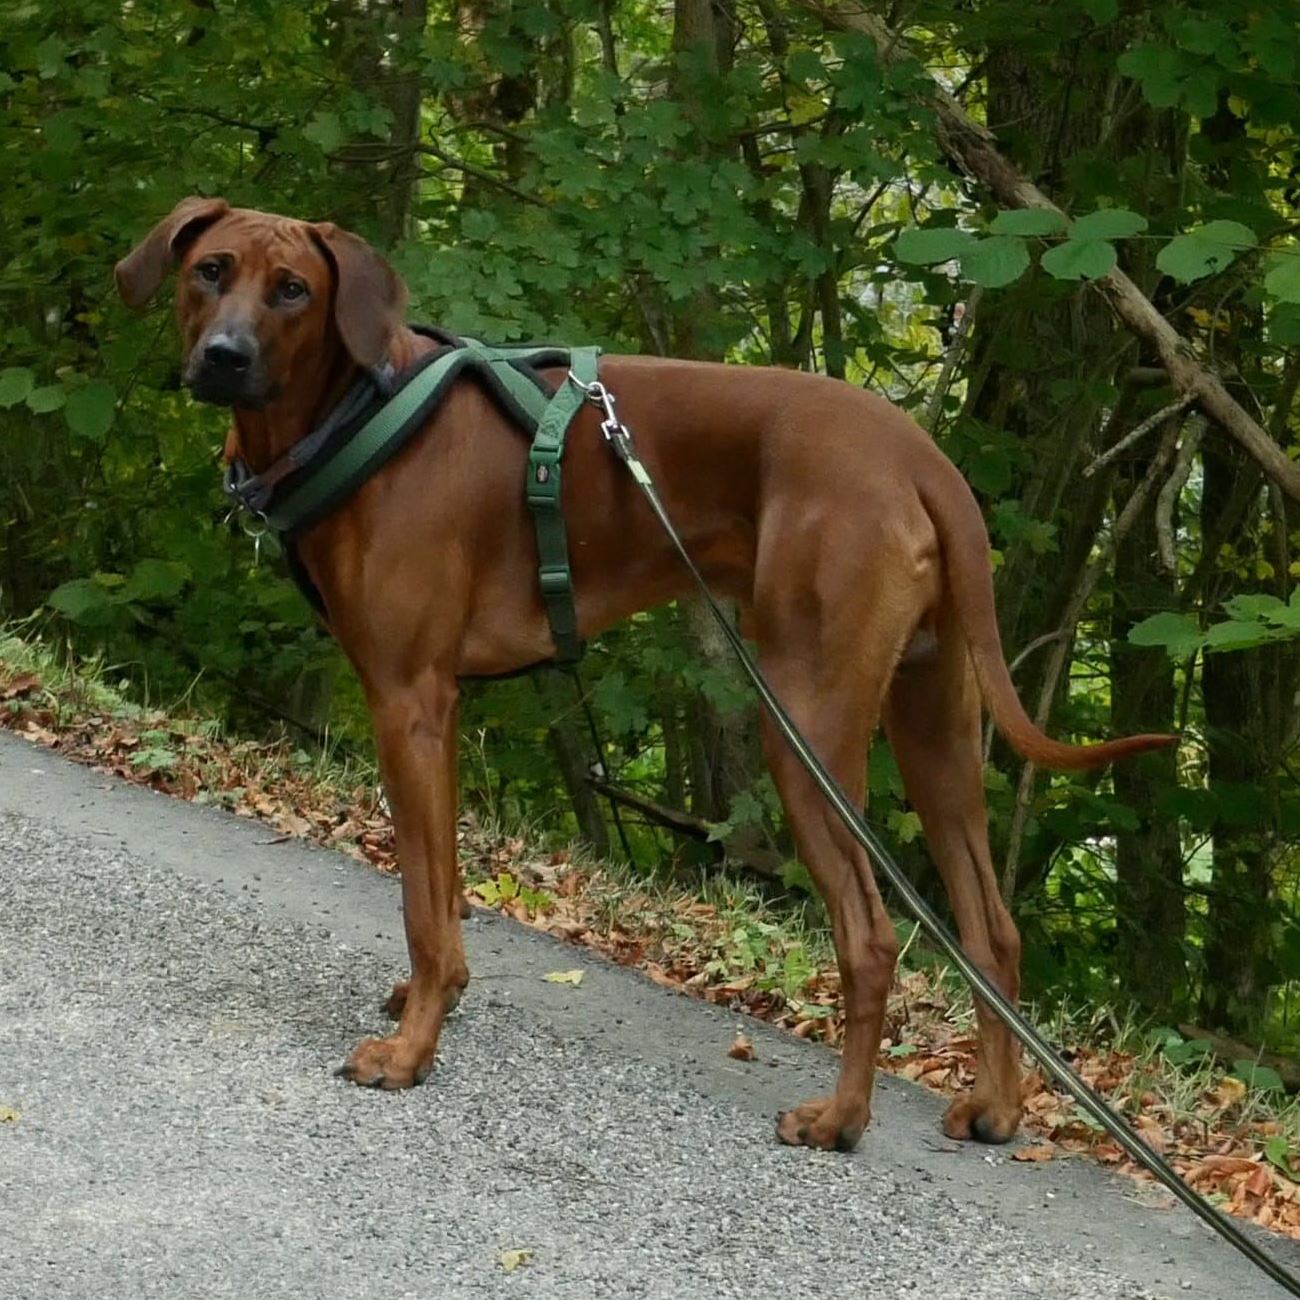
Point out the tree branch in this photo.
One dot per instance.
(973, 148)
(1153, 421)
(742, 849)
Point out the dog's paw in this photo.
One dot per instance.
(388, 1063)
(824, 1123)
(970, 1117)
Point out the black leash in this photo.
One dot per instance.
(620, 439)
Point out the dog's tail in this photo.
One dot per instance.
(965, 543)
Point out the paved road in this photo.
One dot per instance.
(174, 992)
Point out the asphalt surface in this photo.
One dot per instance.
(175, 991)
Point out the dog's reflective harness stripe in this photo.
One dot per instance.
(381, 414)
(620, 439)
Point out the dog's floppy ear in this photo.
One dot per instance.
(146, 266)
(369, 296)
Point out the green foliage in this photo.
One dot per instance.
(1262, 1077)
(927, 247)
(1204, 250)
(777, 195)
(1283, 278)
(1255, 620)
(1079, 259)
(89, 410)
(995, 261)
(1028, 222)
(1107, 223)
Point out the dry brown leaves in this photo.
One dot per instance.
(1214, 1147)
(742, 1048)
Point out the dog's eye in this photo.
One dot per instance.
(208, 272)
(293, 290)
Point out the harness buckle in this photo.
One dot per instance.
(598, 395)
(554, 582)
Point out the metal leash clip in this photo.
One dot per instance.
(617, 434)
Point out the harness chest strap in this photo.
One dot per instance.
(321, 472)
(542, 489)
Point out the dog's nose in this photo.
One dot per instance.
(228, 353)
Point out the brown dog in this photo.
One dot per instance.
(854, 548)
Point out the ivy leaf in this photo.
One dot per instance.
(15, 383)
(1283, 279)
(995, 261)
(49, 398)
(1203, 251)
(1107, 223)
(1079, 259)
(927, 247)
(1178, 633)
(90, 410)
(1028, 221)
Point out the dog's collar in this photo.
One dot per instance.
(253, 493)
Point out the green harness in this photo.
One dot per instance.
(380, 415)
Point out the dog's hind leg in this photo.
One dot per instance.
(828, 645)
(932, 718)
(415, 730)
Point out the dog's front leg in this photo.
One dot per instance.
(415, 730)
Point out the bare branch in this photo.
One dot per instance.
(950, 359)
(1169, 494)
(1079, 597)
(1137, 434)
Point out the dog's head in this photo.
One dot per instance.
(264, 302)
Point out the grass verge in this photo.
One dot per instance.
(1231, 1133)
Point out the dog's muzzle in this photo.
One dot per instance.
(225, 369)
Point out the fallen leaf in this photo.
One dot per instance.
(17, 686)
(1152, 1133)
(573, 977)
(8, 1115)
(513, 1259)
(1220, 1167)
(1036, 1155)
(1229, 1091)
(742, 1049)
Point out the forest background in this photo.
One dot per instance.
(995, 213)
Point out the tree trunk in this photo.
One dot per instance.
(574, 758)
(1150, 916)
(1233, 685)
(402, 94)
(723, 746)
